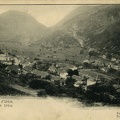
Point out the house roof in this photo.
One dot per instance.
(52, 68)
(63, 75)
(28, 68)
(55, 78)
(39, 73)
(78, 78)
(13, 67)
(86, 61)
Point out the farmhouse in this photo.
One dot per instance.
(13, 68)
(39, 73)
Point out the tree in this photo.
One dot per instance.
(1, 52)
(72, 72)
(41, 93)
(109, 56)
(82, 51)
(93, 53)
(48, 77)
(70, 82)
(21, 67)
(51, 89)
(13, 62)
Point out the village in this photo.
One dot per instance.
(90, 80)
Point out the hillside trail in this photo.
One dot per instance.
(26, 90)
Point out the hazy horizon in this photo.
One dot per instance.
(47, 15)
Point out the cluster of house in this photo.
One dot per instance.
(103, 66)
(62, 74)
(55, 72)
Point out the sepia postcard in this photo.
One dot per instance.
(59, 60)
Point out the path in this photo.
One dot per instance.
(25, 90)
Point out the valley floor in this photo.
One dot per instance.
(84, 80)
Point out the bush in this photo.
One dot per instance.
(48, 77)
(23, 79)
(102, 88)
(2, 66)
(86, 65)
(72, 72)
(101, 97)
(51, 89)
(39, 84)
(14, 72)
(1, 52)
(70, 82)
(112, 70)
(42, 93)
(30, 75)
(71, 92)
(36, 59)
(43, 66)
(93, 53)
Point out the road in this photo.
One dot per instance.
(25, 90)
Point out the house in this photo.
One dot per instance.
(57, 80)
(39, 73)
(2, 57)
(116, 67)
(16, 61)
(5, 59)
(6, 62)
(28, 69)
(83, 81)
(117, 61)
(104, 56)
(77, 78)
(52, 69)
(117, 87)
(90, 82)
(113, 59)
(73, 68)
(13, 68)
(63, 75)
(77, 84)
(104, 69)
(86, 61)
(80, 67)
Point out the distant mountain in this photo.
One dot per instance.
(85, 27)
(94, 26)
(89, 26)
(18, 26)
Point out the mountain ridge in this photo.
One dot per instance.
(19, 25)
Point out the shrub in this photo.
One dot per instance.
(39, 84)
(70, 82)
(86, 65)
(72, 72)
(93, 53)
(112, 70)
(14, 72)
(42, 93)
(2, 66)
(23, 78)
(1, 52)
(30, 75)
(98, 88)
(51, 89)
(36, 59)
(48, 77)
(71, 92)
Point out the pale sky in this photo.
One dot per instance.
(48, 15)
